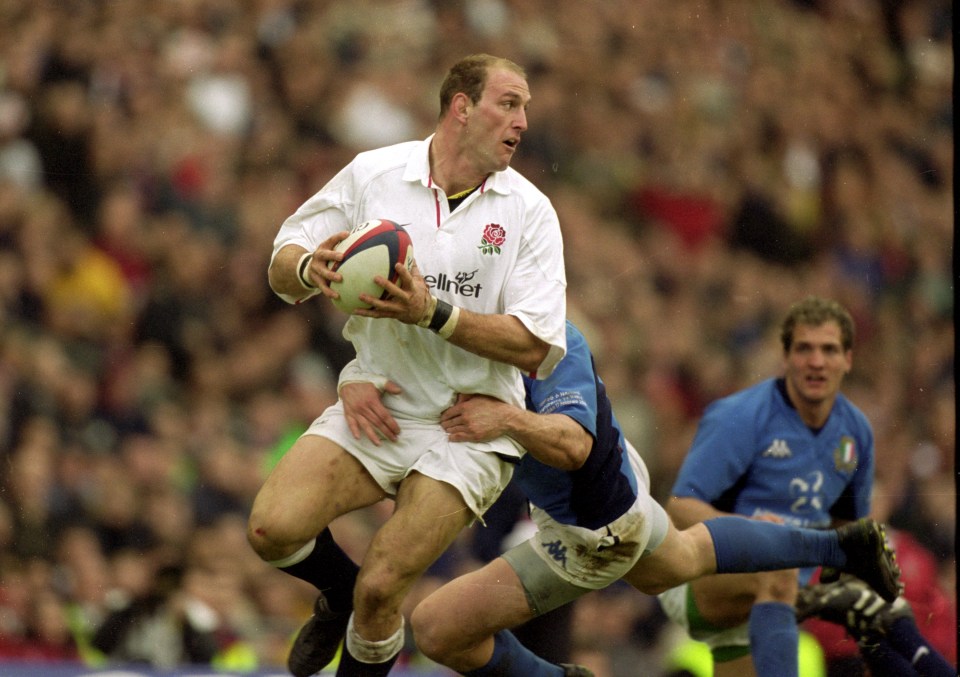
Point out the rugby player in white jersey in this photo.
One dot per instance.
(484, 302)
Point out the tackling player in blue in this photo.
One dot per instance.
(597, 522)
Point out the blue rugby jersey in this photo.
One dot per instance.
(606, 486)
(752, 454)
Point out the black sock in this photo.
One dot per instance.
(351, 667)
(330, 570)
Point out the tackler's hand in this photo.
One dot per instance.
(475, 418)
(365, 413)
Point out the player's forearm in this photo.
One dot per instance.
(503, 338)
(554, 439)
(282, 274)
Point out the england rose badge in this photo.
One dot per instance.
(493, 236)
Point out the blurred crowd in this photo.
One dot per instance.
(711, 162)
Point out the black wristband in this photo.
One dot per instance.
(440, 316)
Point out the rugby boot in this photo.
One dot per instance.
(870, 557)
(848, 602)
(853, 604)
(318, 640)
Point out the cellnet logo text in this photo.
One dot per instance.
(459, 285)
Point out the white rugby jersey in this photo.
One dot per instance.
(499, 252)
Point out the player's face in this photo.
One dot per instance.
(816, 364)
(497, 120)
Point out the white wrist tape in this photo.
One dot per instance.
(430, 311)
(302, 266)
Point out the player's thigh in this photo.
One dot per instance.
(681, 557)
(313, 483)
(472, 607)
(428, 516)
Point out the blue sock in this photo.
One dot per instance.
(884, 661)
(774, 640)
(744, 545)
(510, 657)
(905, 637)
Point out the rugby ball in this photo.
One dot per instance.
(371, 249)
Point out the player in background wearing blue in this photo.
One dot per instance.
(597, 521)
(792, 450)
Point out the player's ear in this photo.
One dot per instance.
(461, 106)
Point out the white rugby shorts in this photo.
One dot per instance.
(596, 558)
(478, 470)
(676, 604)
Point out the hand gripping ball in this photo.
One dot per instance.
(371, 249)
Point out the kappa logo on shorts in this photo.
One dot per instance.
(557, 551)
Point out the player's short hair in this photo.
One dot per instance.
(814, 311)
(469, 75)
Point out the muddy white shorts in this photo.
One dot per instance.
(577, 559)
(478, 470)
